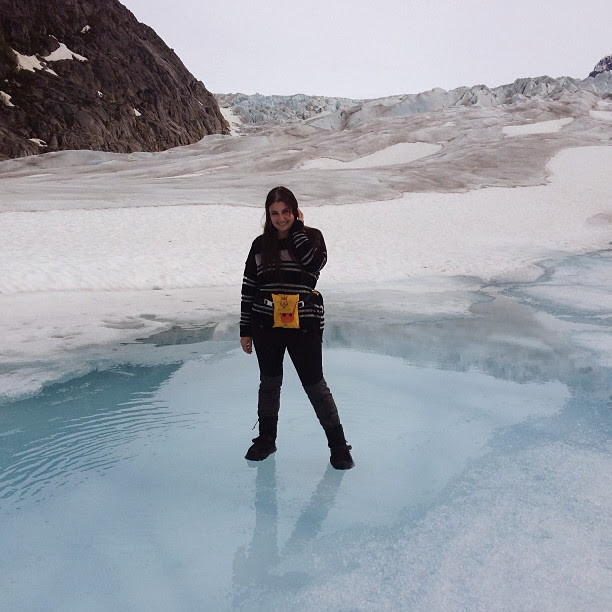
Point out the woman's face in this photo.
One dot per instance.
(281, 218)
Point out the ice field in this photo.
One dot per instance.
(467, 344)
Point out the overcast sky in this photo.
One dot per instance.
(359, 49)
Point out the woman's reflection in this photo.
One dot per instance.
(254, 565)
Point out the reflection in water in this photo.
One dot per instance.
(256, 567)
(185, 334)
(505, 339)
(72, 428)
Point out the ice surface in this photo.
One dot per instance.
(482, 477)
(577, 289)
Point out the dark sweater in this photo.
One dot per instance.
(302, 256)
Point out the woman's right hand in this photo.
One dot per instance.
(246, 342)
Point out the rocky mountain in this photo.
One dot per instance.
(85, 74)
(340, 113)
(604, 65)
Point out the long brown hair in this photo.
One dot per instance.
(270, 256)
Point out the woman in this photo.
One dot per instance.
(281, 310)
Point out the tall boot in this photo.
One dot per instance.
(323, 403)
(340, 451)
(268, 399)
(325, 408)
(268, 405)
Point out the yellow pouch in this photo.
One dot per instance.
(286, 310)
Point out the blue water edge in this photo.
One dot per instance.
(483, 476)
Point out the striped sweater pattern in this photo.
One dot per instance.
(302, 257)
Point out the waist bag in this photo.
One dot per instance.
(286, 310)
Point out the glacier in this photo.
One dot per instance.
(341, 113)
(467, 343)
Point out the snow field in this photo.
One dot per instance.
(484, 233)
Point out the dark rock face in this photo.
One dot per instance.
(85, 74)
(603, 65)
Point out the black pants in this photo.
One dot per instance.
(304, 348)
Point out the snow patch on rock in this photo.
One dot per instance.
(64, 53)
(5, 98)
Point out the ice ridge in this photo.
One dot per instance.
(340, 113)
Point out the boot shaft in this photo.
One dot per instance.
(323, 403)
(335, 436)
(268, 400)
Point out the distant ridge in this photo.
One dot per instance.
(340, 113)
(85, 74)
